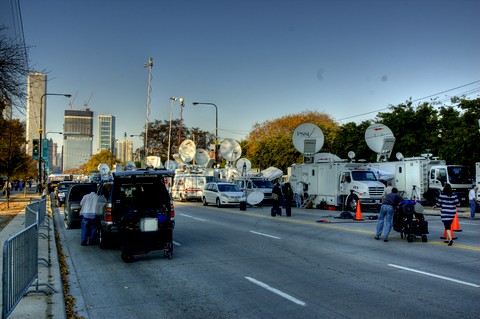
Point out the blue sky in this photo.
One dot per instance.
(256, 60)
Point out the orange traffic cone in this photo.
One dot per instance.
(455, 224)
(445, 235)
(358, 214)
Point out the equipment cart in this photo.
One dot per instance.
(410, 222)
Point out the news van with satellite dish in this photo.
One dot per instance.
(420, 178)
(257, 186)
(190, 179)
(327, 180)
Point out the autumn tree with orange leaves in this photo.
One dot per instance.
(270, 143)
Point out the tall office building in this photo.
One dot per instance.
(124, 150)
(106, 132)
(77, 138)
(36, 88)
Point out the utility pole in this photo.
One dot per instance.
(148, 65)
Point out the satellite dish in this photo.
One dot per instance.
(399, 156)
(351, 155)
(255, 198)
(154, 161)
(201, 157)
(243, 165)
(308, 138)
(380, 139)
(187, 150)
(103, 168)
(130, 166)
(230, 150)
(171, 165)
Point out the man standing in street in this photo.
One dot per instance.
(472, 198)
(390, 201)
(89, 224)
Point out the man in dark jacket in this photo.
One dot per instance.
(390, 201)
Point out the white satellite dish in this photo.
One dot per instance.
(130, 166)
(187, 150)
(255, 198)
(399, 156)
(171, 165)
(154, 161)
(103, 168)
(308, 138)
(380, 139)
(230, 150)
(201, 157)
(351, 154)
(244, 165)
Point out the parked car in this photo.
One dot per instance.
(137, 212)
(73, 198)
(222, 194)
(60, 192)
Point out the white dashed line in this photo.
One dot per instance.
(276, 291)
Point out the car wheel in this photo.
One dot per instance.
(218, 203)
(204, 200)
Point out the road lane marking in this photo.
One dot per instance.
(196, 218)
(334, 226)
(276, 291)
(435, 276)
(262, 234)
(177, 243)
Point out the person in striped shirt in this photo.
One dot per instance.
(449, 202)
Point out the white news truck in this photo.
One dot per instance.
(423, 178)
(329, 183)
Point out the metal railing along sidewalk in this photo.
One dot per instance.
(20, 259)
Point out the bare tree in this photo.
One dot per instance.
(13, 71)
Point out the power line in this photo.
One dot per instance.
(416, 100)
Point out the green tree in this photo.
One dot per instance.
(105, 156)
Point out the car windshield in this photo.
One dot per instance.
(363, 176)
(228, 188)
(459, 175)
(77, 193)
(262, 183)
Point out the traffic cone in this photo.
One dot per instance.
(445, 235)
(358, 214)
(455, 224)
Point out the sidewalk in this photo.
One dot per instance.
(37, 304)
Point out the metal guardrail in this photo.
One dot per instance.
(20, 258)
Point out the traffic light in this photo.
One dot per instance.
(35, 148)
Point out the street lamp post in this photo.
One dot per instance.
(216, 125)
(40, 131)
(172, 99)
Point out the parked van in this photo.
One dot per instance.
(189, 187)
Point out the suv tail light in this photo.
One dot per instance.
(172, 210)
(108, 213)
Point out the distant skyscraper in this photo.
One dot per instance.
(106, 132)
(36, 88)
(77, 138)
(124, 150)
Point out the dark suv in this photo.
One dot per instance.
(138, 213)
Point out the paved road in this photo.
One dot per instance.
(233, 264)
